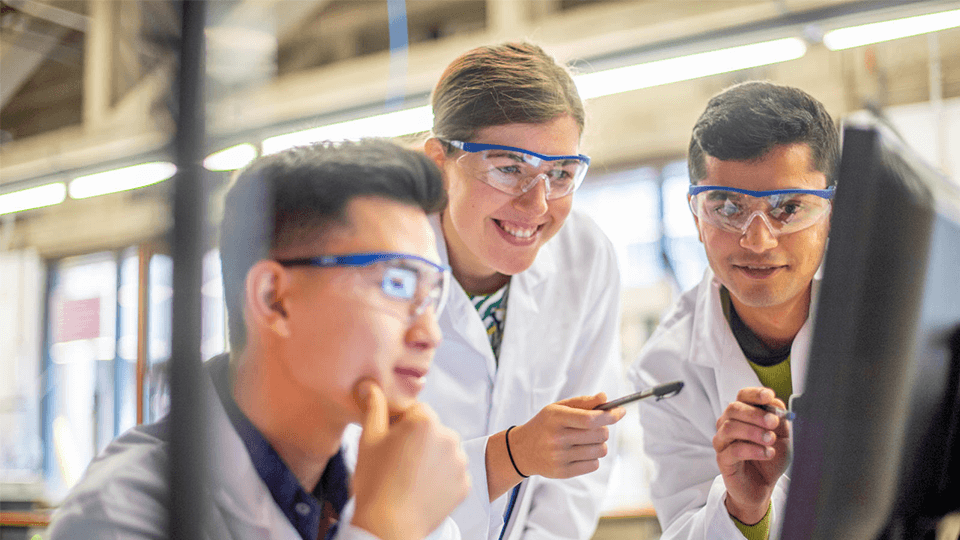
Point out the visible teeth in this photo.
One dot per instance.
(516, 231)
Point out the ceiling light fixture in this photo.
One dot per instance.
(392, 124)
(865, 34)
(136, 176)
(35, 197)
(231, 159)
(682, 68)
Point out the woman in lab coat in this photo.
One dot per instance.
(530, 332)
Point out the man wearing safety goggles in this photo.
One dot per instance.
(762, 163)
(333, 287)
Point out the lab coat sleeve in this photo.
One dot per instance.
(570, 508)
(123, 493)
(82, 519)
(475, 513)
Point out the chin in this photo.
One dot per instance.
(396, 406)
(761, 298)
(515, 265)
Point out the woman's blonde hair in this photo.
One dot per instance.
(503, 84)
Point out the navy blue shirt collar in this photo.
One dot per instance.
(303, 510)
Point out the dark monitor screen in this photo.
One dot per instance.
(876, 448)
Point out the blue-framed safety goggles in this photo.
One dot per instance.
(784, 211)
(516, 171)
(402, 276)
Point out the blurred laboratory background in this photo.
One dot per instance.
(88, 87)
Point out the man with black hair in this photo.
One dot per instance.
(762, 162)
(333, 288)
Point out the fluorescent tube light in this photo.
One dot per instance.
(682, 68)
(231, 159)
(35, 197)
(392, 124)
(855, 36)
(134, 177)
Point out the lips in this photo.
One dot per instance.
(410, 371)
(411, 378)
(518, 233)
(758, 271)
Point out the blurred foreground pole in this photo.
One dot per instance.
(187, 433)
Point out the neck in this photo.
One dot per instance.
(473, 276)
(263, 393)
(778, 325)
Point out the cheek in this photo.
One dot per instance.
(472, 202)
(814, 244)
(717, 243)
(560, 209)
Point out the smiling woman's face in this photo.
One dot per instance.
(488, 232)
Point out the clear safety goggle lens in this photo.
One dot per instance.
(516, 171)
(408, 283)
(416, 282)
(784, 211)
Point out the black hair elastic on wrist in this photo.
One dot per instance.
(509, 453)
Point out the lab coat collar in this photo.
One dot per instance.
(713, 343)
(237, 489)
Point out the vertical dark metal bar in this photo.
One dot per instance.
(187, 433)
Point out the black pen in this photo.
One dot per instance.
(782, 414)
(661, 391)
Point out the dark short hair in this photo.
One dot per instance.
(511, 83)
(301, 195)
(747, 120)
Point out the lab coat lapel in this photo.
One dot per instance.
(714, 345)
(240, 498)
(800, 351)
(465, 321)
(523, 334)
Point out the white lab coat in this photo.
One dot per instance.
(561, 340)
(124, 492)
(694, 344)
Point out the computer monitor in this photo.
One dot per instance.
(876, 444)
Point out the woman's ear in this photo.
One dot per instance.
(436, 150)
(265, 292)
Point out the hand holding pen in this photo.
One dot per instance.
(752, 447)
(782, 414)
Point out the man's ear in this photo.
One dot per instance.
(696, 221)
(265, 292)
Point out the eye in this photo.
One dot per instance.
(400, 283)
(725, 207)
(788, 210)
(504, 161)
(509, 169)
